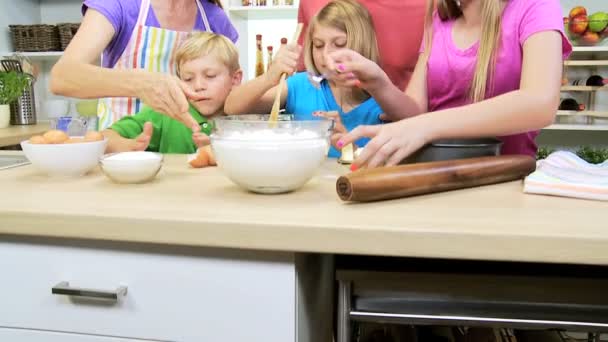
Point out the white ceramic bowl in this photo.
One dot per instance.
(131, 167)
(269, 160)
(66, 160)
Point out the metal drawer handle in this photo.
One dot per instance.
(63, 288)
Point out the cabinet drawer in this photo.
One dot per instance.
(189, 295)
(26, 335)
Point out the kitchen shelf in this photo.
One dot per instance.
(584, 88)
(583, 112)
(264, 12)
(565, 127)
(47, 55)
(600, 62)
(603, 48)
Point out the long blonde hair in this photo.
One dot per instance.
(491, 11)
(352, 18)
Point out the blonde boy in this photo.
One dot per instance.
(209, 64)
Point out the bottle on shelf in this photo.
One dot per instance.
(269, 48)
(259, 58)
(571, 104)
(593, 81)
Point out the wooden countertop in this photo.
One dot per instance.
(13, 135)
(201, 207)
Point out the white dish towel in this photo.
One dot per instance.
(565, 174)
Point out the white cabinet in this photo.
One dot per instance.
(193, 295)
(25, 335)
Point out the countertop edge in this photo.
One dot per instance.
(333, 240)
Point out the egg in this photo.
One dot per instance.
(199, 159)
(37, 139)
(212, 161)
(55, 137)
(202, 158)
(93, 136)
(74, 141)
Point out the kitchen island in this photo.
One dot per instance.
(213, 262)
(14, 134)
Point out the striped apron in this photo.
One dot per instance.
(149, 48)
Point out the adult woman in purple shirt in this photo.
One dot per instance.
(138, 39)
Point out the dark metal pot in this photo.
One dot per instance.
(448, 149)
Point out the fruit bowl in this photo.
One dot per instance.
(586, 30)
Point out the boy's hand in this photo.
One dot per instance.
(143, 140)
(285, 61)
(200, 139)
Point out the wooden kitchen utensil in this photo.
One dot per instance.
(424, 178)
(274, 112)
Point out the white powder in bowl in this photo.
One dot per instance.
(270, 135)
(270, 162)
(133, 156)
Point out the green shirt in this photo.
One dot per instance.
(169, 135)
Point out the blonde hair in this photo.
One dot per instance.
(352, 18)
(200, 44)
(490, 39)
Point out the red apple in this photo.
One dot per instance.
(590, 38)
(578, 24)
(578, 10)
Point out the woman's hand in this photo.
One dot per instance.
(169, 95)
(285, 61)
(350, 69)
(391, 143)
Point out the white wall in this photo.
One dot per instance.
(60, 11)
(21, 12)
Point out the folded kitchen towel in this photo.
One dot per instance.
(565, 174)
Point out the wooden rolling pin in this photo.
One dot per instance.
(424, 178)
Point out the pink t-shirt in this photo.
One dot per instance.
(450, 69)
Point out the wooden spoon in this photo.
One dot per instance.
(274, 112)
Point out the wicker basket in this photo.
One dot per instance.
(35, 37)
(66, 33)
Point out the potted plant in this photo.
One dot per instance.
(12, 85)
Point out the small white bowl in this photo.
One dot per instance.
(131, 167)
(65, 160)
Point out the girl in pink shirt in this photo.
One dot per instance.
(493, 68)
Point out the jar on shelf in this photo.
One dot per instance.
(259, 58)
(269, 60)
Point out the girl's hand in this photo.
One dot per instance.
(390, 144)
(200, 139)
(339, 128)
(350, 69)
(285, 61)
(169, 95)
